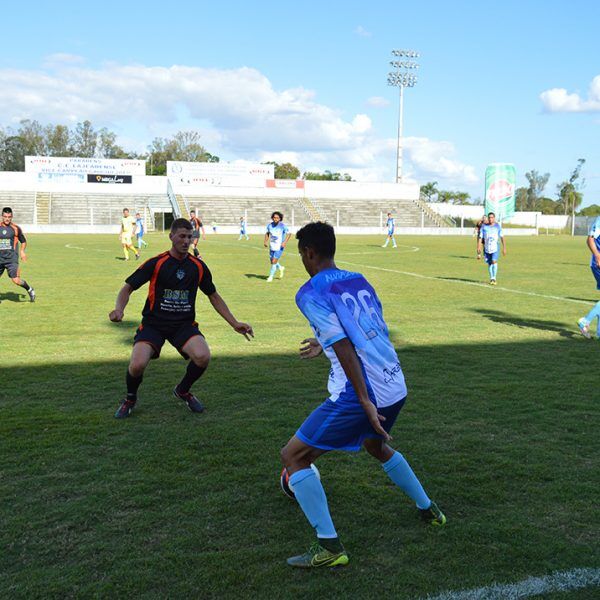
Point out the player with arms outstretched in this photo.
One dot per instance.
(12, 246)
(490, 237)
(276, 237)
(366, 387)
(128, 229)
(169, 314)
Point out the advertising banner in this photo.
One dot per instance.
(75, 170)
(500, 185)
(92, 178)
(286, 183)
(224, 174)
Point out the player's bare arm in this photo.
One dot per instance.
(222, 309)
(266, 240)
(348, 358)
(116, 315)
(287, 239)
(22, 251)
(592, 246)
(503, 245)
(310, 348)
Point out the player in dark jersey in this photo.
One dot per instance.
(169, 314)
(197, 227)
(11, 236)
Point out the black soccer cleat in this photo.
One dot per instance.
(125, 409)
(196, 253)
(192, 402)
(31, 293)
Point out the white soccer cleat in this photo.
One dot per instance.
(584, 328)
(269, 279)
(281, 270)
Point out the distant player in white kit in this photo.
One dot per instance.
(391, 228)
(490, 237)
(276, 237)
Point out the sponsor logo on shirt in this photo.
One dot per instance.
(390, 375)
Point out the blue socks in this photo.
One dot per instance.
(313, 502)
(493, 269)
(399, 471)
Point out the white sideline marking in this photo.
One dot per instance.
(482, 285)
(71, 247)
(561, 581)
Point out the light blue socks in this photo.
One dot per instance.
(272, 271)
(313, 502)
(399, 471)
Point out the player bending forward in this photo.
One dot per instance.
(366, 388)
(169, 314)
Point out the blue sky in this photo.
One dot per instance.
(499, 81)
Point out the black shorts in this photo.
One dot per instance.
(195, 235)
(11, 265)
(178, 336)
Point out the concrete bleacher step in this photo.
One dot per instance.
(42, 207)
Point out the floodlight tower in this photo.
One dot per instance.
(403, 76)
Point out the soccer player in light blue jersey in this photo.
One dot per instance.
(490, 237)
(593, 243)
(391, 228)
(366, 391)
(243, 229)
(139, 230)
(276, 237)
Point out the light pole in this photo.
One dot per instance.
(402, 77)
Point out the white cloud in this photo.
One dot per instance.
(560, 100)
(238, 112)
(362, 32)
(377, 102)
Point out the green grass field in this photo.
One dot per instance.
(501, 426)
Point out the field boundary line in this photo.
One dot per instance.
(560, 581)
(472, 283)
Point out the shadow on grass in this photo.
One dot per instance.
(463, 256)
(12, 297)
(506, 319)
(462, 279)
(256, 276)
(88, 495)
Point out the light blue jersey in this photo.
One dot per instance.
(139, 224)
(595, 233)
(391, 225)
(277, 235)
(491, 234)
(340, 304)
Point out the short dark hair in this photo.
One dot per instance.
(7, 210)
(277, 213)
(125, 209)
(180, 224)
(319, 236)
(490, 214)
(192, 212)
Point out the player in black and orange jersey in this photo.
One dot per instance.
(169, 314)
(197, 227)
(11, 236)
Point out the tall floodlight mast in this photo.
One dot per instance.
(403, 76)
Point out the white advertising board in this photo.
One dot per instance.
(75, 170)
(223, 174)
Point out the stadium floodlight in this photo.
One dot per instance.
(402, 77)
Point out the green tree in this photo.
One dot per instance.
(593, 210)
(58, 142)
(521, 198)
(428, 191)
(537, 183)
(183, 146)
(326, 176)
(285, 170)
(84, 140)
(569, 194)
(547, 206)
